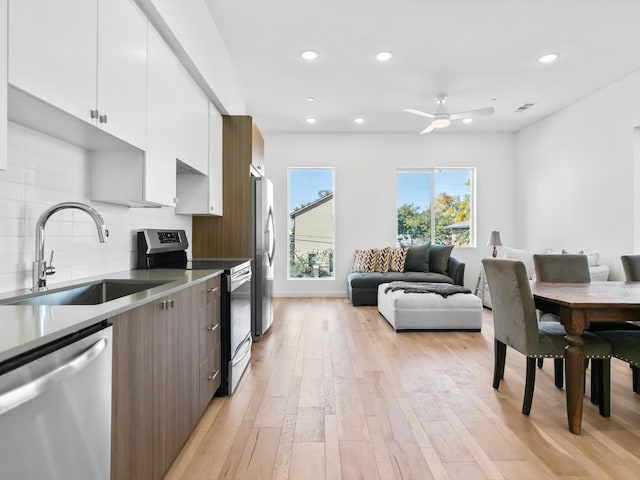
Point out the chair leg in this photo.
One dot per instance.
(635, 371)
(500, 354)
(596, 377)
(558, 372)
(604, 387)
(529, 386)
(540, 362)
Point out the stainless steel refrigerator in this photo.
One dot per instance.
(263, 247)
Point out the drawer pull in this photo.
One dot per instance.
(212, 289)
(213, 375)
(213, 328)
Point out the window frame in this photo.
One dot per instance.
(332, 277)
(473, 200)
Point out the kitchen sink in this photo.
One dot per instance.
(87, 294)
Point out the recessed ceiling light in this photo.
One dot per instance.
(467, 120)
(310, 120)
(383, 56)
(311, 99)
(358, 120)
(309, 54)
(549, 57)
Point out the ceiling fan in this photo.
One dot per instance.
(442, 118)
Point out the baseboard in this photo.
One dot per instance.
(310, 294)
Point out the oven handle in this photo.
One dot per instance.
(234, 281)
(237, 358)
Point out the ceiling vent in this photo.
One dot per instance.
(523, 107)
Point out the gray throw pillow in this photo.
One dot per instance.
(417, 258)
(439, 258)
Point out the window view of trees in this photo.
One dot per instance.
(311, 223)
(435, 205)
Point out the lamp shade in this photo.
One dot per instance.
(494, 239)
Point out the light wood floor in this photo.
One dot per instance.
(334, 393)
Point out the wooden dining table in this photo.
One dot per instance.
(578, 304)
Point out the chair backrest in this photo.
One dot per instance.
(562, 268)
(514, 312)
(631, 265)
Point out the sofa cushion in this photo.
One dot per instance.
(363, 261)
(384, 260)
(439, 258)
(373, 279)
(398, 259)
(417, 258)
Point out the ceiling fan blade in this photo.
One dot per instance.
(428, 129)
(418, 112)
(473, 113)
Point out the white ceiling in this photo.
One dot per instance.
(475, 51)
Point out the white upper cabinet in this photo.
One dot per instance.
(53, 52)
(3, 84)
(193, 121)
(200, 194)
(87, 58)
(163, 103)
(122, 71)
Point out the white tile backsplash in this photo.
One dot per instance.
(44, 171)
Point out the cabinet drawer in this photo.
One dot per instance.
(209, 329)
(210, 377)
(209, 292)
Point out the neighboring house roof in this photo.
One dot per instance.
(312, 205)
(462, 224)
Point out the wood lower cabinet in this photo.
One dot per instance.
(209, 350)
(158, 393)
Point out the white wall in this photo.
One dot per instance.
(44, 171)
(575, 176)
(365, 191)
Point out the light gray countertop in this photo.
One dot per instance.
(25, 327)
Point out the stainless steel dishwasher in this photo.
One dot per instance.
(55, 409)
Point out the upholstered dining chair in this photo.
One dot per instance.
(516, 325)
(631, 266)
(625, 345)
(565, 268)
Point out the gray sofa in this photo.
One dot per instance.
(362, 287)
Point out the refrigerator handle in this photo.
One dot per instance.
(271, 229)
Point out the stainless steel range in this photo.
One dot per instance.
(167, 249)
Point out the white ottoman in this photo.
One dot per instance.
(430, 311)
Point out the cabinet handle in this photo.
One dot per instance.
(94, 113)
(213, 328)
(167, 304)
(212, 289)
(213, 375)
(102, 118)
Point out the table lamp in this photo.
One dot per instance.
(494, 241)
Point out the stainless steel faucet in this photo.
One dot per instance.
(40, 267)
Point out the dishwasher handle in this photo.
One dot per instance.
(28, 391)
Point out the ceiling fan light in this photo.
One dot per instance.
(440, 122)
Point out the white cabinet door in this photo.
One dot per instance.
(3, 84)
(193, 115)
(202, 194)
(122, 71)
(162, 104)
(215, 161)
(53, 50)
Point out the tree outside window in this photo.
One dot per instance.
(435, 205)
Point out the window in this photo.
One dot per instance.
(435, 205)
(311, 225)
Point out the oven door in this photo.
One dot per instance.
(239, 285)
